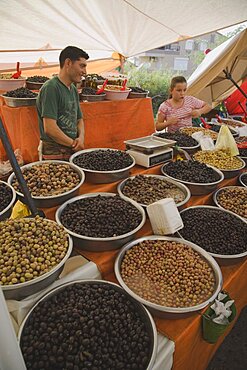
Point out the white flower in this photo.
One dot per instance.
(222, 310)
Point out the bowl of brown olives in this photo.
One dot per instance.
(232, 198)
(172, 277)
(50, 182)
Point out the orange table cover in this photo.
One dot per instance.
(191, 351)
(107, 125)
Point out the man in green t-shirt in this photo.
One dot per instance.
(60, 118)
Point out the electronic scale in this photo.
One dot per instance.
(149, 151)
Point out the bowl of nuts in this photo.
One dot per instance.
(50, 182)
(147, 189)
(109, 329)
(7, 83)
(221, 159)
(27, 265)
(103, 165)
(101, 221)
(114, 92)
(172, 277)
(232, 198)
(198, 177)
(7, 200)
(243, 179)
(220, 232)
(191, 130)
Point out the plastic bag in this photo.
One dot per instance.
(226, 141)
(5, 166)
(20, 210)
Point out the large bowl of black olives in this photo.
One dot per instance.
(7, 200)
(88, 324)
(103, 165)
(36, 82)
(101, 221)
(20, 97)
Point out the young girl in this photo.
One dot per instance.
(179, 109)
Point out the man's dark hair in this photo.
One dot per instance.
(73, 53)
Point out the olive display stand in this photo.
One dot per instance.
(191, 351)
(107, 125)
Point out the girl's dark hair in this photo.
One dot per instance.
(176, 80)
(73, 53)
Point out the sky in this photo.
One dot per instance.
(232, 28)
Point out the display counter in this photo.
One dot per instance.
(191, 351)
(107, 125)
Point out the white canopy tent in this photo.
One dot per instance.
(128, 27)
(209, 82)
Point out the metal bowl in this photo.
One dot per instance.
(138, 95)
(19, 102)
(22, 290)
(6, 212)
(92, 98)
(100, 244)
(103, 177)
(240, 179)
(233, 173)
(233, 122)
(213, 133)
(197, 188)
(53, 200)
(165, 311)
(233, 130)
(34, 85)
(223, 259)
(182, 187)
(145, 315)
(216, 195)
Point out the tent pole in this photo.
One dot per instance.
(229, 77)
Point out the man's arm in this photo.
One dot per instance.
(52, 130)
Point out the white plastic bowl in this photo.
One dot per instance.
(12, 83)
(115, 94)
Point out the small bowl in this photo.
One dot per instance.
(53, 200)
(182, 187)
(6, 212)
(22, 290)
(147, 318)
(100, 244)
(115, 94)
(138, 95)
(165, 311)
(197, 188)
(223, 259)
(19, 102)
(217, 193)
(10, 84)
(34, 85)
(103, 177)
(92, 98)
(240, 179)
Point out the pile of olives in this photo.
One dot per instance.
(40, 79)
(21, 92)
(183, 140)
(137, 89)
(5, 196)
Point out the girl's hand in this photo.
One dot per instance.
(171, 121)
(196, 113)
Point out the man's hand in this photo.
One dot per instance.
(196, 113)
(78, 144)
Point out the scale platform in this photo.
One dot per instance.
(149, 144)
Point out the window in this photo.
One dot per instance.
(181, 64)
(173, 47)
(189, 45)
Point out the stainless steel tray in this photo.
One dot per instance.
(148, 144)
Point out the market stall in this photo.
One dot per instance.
(107, 124)
(191, 351)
